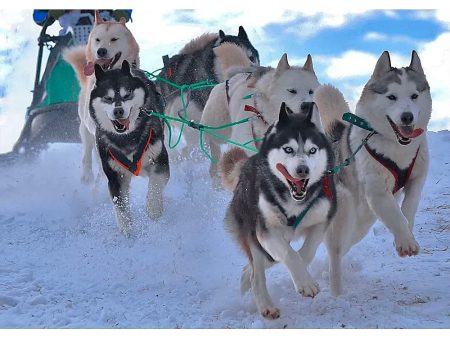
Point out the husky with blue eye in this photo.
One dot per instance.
(279, 195)
(129, 141)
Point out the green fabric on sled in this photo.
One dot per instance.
(62, 85)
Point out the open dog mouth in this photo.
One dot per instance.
(298, 186)
(109, 63)
(404, 133)
(121, 125)
(106, 64)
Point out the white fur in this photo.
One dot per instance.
(367, 194)
(104, 111)
(268, 92)
(101, 36)
(315, 162)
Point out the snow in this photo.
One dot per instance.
(64, 263)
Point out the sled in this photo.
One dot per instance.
(52, 116)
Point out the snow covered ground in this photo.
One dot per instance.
(63, 263)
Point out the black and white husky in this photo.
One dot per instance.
(129, 142)
(197, 62)
(281, 194)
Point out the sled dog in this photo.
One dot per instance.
(197, 62)
(280, 194)
(109, 43)
(255, 92)
(129, 141)
(396, 103)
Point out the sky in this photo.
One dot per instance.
(345, 43)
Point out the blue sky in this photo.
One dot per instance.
(345, 43)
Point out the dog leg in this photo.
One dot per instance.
(411, 201)
(155, 205)
(277, 247)
(159, 174)
(119, 190)
(414, 186)
(341, 234)
(259, 288)
(312, 241)
(246, 275)
(213, 170)
(335, 267)
(388, 211)
(88, 141)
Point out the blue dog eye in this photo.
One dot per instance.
(312, 150)
(288, 150)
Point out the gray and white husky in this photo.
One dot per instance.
(194, 63)
(267, 88)
(397, 104)
(129, 142)
(272, 190)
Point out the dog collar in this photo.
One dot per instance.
(326, 186)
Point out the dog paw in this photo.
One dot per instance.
(309, 289)
(270, 313)
(407, 247)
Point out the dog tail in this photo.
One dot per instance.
(230, 166)
(229, 57)
(331, 104)
(76, 57)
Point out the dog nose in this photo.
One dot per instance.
(101, 52)
(302, 170)
(407, 117)
(118, 112)
(306, 107)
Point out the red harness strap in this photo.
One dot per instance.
(401, 176)
(133, 166)
(258, 114)
(326, 187)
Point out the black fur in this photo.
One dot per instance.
(199, 66)
(128, 143)
(256, 177)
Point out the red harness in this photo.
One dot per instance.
(401, 176)
(132, 166)
(257, 112)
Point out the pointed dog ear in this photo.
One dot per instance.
(126, 67)
(311, 113)
(282, 66)
(383, 65)
(98, 72)
(285, 111)
(221, 35)
(309, 64)
(98, 18)
(415, 64)
(122, 20)
(242, 34)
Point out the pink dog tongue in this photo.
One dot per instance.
(124, 122)
(89, 69)
(415, 133)
(298, 182)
